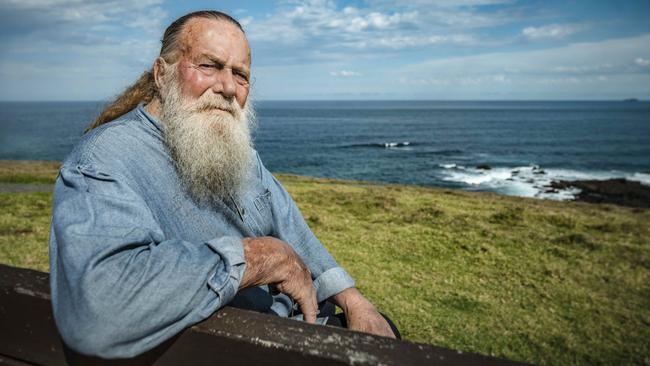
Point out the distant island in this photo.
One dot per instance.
(630, 100)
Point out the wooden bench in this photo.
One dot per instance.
(229, 337)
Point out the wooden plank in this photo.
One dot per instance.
(7, 361)
(27, 328)
(230, 337)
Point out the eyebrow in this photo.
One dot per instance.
(218, 60)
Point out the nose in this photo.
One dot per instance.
(225, 83)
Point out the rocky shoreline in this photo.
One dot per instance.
(617, 191)
(35, 176)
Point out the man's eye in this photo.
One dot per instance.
(241, 77)
(208, 66)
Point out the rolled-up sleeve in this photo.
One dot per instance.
(331, 282)
(229, 272)
(119, 286)
(329, 278)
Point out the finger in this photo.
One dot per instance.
(309, 308)
(385, 330)
(311, 305)
(388, 333)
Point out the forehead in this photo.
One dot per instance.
(218, 37)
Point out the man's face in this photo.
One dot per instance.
(212, 149)
(215, 58)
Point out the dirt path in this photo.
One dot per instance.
(25, 187)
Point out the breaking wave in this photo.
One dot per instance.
(385, 145)
(528, 181)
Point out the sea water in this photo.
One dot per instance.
(514, 148)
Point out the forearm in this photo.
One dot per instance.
(123, 303)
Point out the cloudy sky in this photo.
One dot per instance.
(319, 49)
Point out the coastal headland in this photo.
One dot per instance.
(539, 281)
(617, 191)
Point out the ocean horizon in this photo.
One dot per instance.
(256, 101)
(509, 147)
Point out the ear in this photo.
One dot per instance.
(159, 68)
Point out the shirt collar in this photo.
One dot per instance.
(148, 117)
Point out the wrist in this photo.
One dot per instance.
(351, 299)
(263, 258)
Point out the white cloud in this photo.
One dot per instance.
(556, 71)
(87, 11)
(642, 61)
(459, 80)
(397, 42)
(310, 27)
(245, 21)
(345, 73)
(96, 47)
(93, 48)
(372, 20)
(318, 18)
(614, 56)
(454, 15)
(447, 3)
(583, 69)
(555, 31)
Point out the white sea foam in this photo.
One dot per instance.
(643, 178)
(396, 144)
(447, 166)
(529, 181)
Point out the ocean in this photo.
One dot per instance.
(514, 148)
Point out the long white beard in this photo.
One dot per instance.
(212, 150)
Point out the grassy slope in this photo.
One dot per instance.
(537, 281)
(12, 171)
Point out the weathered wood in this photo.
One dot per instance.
(27, 330)
(230, 337)
(6, 361)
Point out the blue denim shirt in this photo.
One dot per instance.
(134, 260)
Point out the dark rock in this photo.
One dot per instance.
(617, 191)
(539, 172)
(483, 167)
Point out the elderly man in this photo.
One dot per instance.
(166, 214)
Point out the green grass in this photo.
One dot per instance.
(12, 171)
(24, 228)
(536, 281)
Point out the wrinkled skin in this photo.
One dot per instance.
(272, 261)
(360, 314)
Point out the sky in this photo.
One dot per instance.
(343, 50)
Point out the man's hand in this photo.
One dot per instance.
(361, 315)
(272, 261)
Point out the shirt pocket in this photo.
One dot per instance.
(261, 214)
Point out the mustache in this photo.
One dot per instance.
(211, 102)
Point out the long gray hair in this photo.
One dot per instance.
(144, 89)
